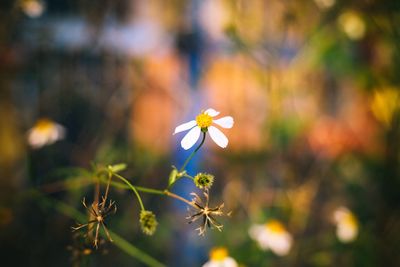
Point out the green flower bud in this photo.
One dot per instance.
(172, 176)
(175, 175)
(117, 167)
(148, 222)
(203, 180)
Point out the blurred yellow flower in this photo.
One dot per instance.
(352, 25)
(346, 225)
(272, 235)
(33, 8)
(384, 104)
(219, 258)
(45, 132)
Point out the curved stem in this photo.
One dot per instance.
(128, 185)
(187, 161)
(178, 178)
(107, 189)
(193, 153)
(150, 190)
(131, 187)
(167, 193)
(188, 176)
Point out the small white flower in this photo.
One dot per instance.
(203, 123)
(346, 225)
(272, 235)
(45, 132)
(219, 258)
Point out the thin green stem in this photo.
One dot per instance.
(167, 193)
(128, 185)
(131, 187)
(188, 176)
(182, 169)
(150, 190)
(107, 189)
(138, 188)
(178, 178)
(193, 153)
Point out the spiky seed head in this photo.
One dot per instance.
(203, 180)
(148, 222)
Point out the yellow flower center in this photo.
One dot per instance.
(204, 120)
(218, 254)
(44, 125)
(275, 226)
(350, 220)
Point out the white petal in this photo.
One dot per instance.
(211, 112)
(346, 232)
(218, 137)
(61, 132)
(225, 122)
(56, 133)
(185, 126)
(191, 138)
(255, 230)
(280, 244)
(229, 262)
(36, 139)
(210, 264)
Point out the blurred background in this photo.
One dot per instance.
(313, 86)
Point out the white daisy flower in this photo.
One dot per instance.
(45, 132)
(219, 258)
(204, 123)
(272, 235)
(346, 225)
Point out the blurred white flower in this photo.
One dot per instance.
(45, 132)
(203, 123)
(346, 225)
(352, 25)
(219, 258)
(272, 235)
(214, 17)
(33, 8)
(325, 4)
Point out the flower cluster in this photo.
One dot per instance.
(203, 123)
(275, 237)
(46, 132)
